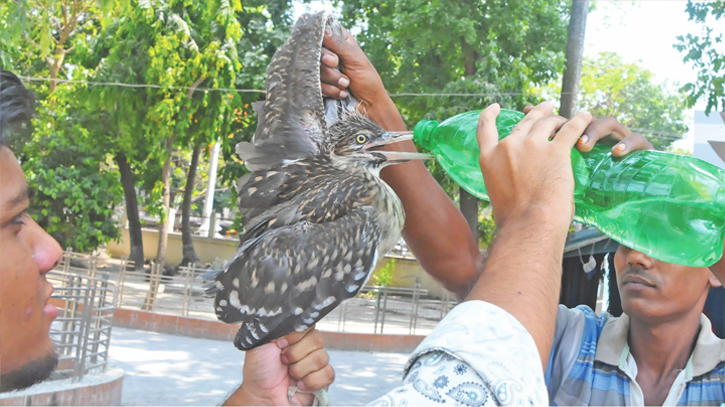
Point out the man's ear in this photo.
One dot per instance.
(714, 281)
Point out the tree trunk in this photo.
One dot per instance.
(574, 55)
(134, 222)
(469, 203)
(163, 226)
(187, 241)
(469, 209)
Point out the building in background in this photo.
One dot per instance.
(710, 137)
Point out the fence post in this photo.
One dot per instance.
(414, 310)
(66, 256)
(85, 326)
(188, 285)
(121, 281)
(150, 302)
(385, 308)
(376, 290)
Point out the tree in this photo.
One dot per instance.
(706, 53)
(574, 56)
(626, 91)
(76, 188)
(492, 51)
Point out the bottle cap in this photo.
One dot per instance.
(422, 133)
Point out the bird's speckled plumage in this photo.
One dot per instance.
(317, 215)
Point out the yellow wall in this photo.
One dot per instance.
(210, 250)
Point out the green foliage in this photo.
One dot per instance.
(384, 276)
(491, 51)
(706, 53)
(76, 191)
(626, 91)
(494, 47)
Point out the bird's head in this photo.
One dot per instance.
(355, 139)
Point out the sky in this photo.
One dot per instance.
(641, 31)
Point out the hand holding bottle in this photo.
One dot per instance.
(525, 173)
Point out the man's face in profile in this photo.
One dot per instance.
(27, 253)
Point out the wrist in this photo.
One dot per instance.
(384, 112)
(243, 396)
(536, 216)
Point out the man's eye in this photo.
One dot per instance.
(20, 219)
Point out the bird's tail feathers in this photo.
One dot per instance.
(210, 287)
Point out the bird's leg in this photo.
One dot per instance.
(321, 396)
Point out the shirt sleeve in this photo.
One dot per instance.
(478, 355)
(565, 349)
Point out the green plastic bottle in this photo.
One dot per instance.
(667, 206)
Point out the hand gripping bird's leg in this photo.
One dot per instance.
(321, 396)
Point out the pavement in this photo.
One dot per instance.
(165, 370)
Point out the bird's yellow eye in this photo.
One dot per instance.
(361, 138)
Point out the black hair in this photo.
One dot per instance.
(17, 107)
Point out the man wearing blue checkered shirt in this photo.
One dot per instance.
(661, 351)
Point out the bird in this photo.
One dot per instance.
(317, 215)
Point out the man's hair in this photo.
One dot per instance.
(16, 107)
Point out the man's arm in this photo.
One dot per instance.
(531, 185)
(435, 229)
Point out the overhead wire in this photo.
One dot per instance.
(651, 133)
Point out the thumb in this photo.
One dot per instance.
(343, 45)
(486, 132)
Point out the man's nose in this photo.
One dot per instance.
(635, 257)
(47, 253)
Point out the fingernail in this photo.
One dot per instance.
(301, 386)
(282, 343)
(284, 360)
(343, 94)
(547, 104)
(583, 139)
(328, 31)
(620, 147)
(344, 82)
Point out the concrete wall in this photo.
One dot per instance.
(199, 328)
(210, 250)
(103, 389)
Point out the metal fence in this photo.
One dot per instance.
(376, 309)
(82, 331)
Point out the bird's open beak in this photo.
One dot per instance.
(396, 156)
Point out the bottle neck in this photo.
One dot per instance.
(423, 132)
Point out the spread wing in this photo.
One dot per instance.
(293, 120)
(291, 277)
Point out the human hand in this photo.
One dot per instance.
(609, 127)
(358, 76)
(297, 359)
(525, 173)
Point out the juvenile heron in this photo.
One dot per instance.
(317, 215)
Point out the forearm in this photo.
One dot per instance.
(523, 274)
(435, 229)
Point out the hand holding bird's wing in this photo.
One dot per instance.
(293, 120)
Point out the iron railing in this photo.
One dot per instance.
(376, 309)
(82, 331)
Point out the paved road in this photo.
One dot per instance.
(164, 370)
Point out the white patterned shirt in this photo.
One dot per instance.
(478, 355)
